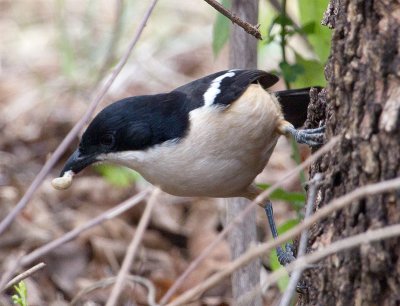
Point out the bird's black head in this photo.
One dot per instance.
(119, 127)
(130, 124)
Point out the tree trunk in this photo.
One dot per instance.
(243, 54)
(362, 103)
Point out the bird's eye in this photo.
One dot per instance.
(107, 140)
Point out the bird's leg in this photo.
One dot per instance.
(311, 137)
(284, 256)
(252, 192)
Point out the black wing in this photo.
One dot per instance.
(224, 87)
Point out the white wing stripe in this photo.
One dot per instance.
(213, 91)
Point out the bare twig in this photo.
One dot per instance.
(151, 295)
(249, 28)
(24, 275)
(304, 262)
(178, 283)
(12, 266)
(107, 215)
(336, 247)
(295, 277)
(78, 126)
(132, 249)
(265, 247)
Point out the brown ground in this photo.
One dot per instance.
(51, 57)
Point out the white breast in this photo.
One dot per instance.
(221, 155)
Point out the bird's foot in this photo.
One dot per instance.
(302, 287)
(311, 137)
(287, 256)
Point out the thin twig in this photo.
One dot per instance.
(24, 275)
(295, 277)
(302, 245)
(257, 251)
(151, 295)
(194, 264)
(12, 266)
(336, 247)
(77, 127)
(325, 148)
(132, 249)
(304, 262)
(107, 215)
(249, 28)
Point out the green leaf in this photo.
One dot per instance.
(282, 20)
(283, 195)
(291, 72)
(320, 39)
(308, 28)
(117, 175)
(287, 225)
(20, 298)
(313, 74)
(221, 30)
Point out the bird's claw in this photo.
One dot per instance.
(301, 287)
(311, 137)
(287, 256)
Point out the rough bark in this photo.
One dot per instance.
(362, 103)
(243, 54)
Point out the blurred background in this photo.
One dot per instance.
(53, 55)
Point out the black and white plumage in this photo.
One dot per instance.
(210, 137)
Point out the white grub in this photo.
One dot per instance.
(63, 182)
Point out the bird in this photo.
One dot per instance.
(208, 138)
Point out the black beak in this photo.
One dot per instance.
(77, 162)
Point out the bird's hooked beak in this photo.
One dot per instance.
(77, 162)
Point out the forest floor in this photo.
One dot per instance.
(52, 56)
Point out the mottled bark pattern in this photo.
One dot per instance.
(363, 105)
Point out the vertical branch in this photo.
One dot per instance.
(243, 47)
(243, 54)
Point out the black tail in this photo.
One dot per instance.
(294, 104)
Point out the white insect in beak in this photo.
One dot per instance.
(64, 182)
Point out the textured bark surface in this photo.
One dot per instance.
(243, 54)
(362, 104)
